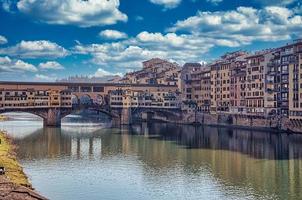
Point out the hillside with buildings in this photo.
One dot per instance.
(88, 79)
(264, 83)
(154, 71)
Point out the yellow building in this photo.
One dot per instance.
(255, 85)
(221, 71)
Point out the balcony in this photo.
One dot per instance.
(272, 72)
(288, 52)
(273, 63)
(269, 90)
(270, 81)
(284, 81)
(254, 64)
(284, 104)
(270, 99)
(292, 61)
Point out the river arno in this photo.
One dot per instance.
(157, 161)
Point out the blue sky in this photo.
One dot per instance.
(43, 40)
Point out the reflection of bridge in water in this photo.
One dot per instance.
(202, 149)
(49, 142)
(55, 142)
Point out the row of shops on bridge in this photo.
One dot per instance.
(11, 99)
(131, 98)
(118, 98)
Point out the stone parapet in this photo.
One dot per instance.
(280, 124)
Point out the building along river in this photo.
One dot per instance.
(88, 160)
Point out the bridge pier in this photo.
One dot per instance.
(115, 121)
(126, 116)
(53, 117)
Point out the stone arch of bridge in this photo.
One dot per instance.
(168, 115)
(37, 114)
(112, 114)
(75, 99)
(51, 116)
(85, 99)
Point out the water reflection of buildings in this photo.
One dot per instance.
(256, 144)
(44, 143)
(229, 155)
(51, 141)
(58, 143)
(275, 173)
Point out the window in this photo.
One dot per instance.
(285, 69)
(284, 78)
(285, 86)
(255, 69)
(284, 96)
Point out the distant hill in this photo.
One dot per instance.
(88, 79)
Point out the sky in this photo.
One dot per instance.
(45, 40)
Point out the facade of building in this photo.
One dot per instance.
(214, 77)
(128, 98)
(238, 87)
(267, 83)
(222, 88)
(34, 99)
(256, 81)
(155, 71)
(204, 101)
(190, 81)
(291, 79)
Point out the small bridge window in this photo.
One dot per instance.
(73, 89)
(98, 89)
(85, 89)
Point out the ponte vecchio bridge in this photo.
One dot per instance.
(55, 100)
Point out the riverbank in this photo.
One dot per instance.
(273, 124)
(14, 183)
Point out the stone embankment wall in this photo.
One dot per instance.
(14, 184)
(274, 124)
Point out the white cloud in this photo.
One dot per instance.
(3, 40)
(215, 2)
(42, 77)
(128, 54)
(276, 2)
(101, 73)
(9, 65)
(168, 39)
(191, 39)
(51, 65)
(35, 49)
(76, 12)
(168, 4)
(262, 2)
(116, 56)
(6, 5)
(139, 18)
(243, 25)
(113, 34)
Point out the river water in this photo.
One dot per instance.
(89, 160)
